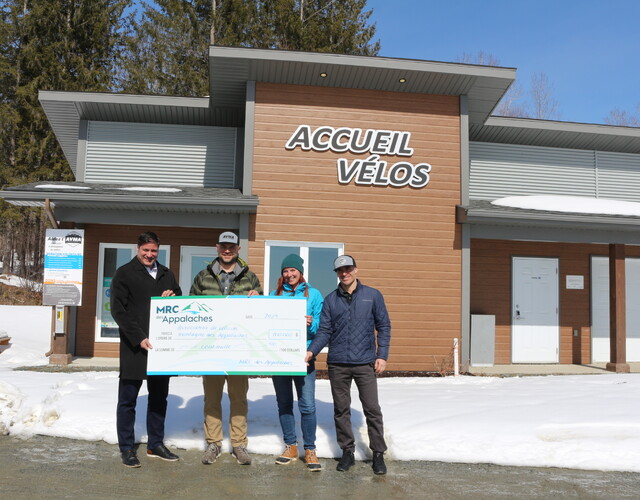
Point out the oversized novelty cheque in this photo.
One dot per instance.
(233, 335)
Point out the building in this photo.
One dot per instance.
(396, 162)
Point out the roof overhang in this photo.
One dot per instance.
(230, 68)
(65, 111)
(87, 196)
(555, 134)
(483, 212)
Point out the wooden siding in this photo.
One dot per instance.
(96, 234)
(491, 291)
(405, 240)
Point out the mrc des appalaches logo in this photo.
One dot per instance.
(195, 312)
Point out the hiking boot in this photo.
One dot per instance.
(290, 454)
(240, 452)
(312, 460)
(211, 454)
(346, 461)
(378, 465)
(130, 459)
(161, 451)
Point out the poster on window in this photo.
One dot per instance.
(234, 335)
(63, 264)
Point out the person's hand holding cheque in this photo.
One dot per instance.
(145, 344)
(308, 357)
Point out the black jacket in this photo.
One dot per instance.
(131, 290)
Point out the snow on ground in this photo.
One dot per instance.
(584, 421)
(13, 280)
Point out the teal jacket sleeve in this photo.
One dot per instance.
(314, 308)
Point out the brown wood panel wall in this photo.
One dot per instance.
(101, 233)
(405, 240)
(491, 290)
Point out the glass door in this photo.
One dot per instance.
(111, 257)
(193, 260)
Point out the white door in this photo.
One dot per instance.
(535, 328)
(600, 346)
(192, 261)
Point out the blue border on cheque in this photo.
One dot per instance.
(212, 335)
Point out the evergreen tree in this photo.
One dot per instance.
(167, 49)
(46, 45)
(49, 45)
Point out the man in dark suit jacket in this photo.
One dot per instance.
(131, 290)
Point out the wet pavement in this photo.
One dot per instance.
(46, 467)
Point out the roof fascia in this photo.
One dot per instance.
(57, 196)
(122, 99)
(546, 219)
(558, 126)
(386, 63)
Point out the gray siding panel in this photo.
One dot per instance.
(619, 176)
(159, 154)
(499, 170)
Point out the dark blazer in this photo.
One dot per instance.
(131, 290)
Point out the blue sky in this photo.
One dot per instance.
(589, 49)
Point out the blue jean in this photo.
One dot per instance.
(306, 389)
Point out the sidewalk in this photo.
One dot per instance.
(553, 369)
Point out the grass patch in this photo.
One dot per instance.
(16, 296)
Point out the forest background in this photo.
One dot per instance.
(157, 47)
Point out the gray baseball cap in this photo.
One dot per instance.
(228, 237)
(343, 260)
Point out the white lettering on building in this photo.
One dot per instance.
(370, 171)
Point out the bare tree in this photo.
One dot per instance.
(514, 103)
(481, 57)
(511, 103)
(623, 118)
(545, 107)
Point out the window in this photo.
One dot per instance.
(111, 257)
(192, 261)
(318, 263)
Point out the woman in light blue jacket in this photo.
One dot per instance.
(292, 283)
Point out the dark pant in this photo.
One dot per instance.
(340, 377)
(158, 388)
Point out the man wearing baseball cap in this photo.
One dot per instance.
(228, 274)
(351, 316)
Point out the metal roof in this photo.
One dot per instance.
(65, 110)
(231, 67)
(141, 198)
(557, 134)
(484, 212)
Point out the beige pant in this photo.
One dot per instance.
(237, 387)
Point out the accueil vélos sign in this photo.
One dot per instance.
(373, 170)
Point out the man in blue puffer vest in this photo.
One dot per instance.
(350, 317)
